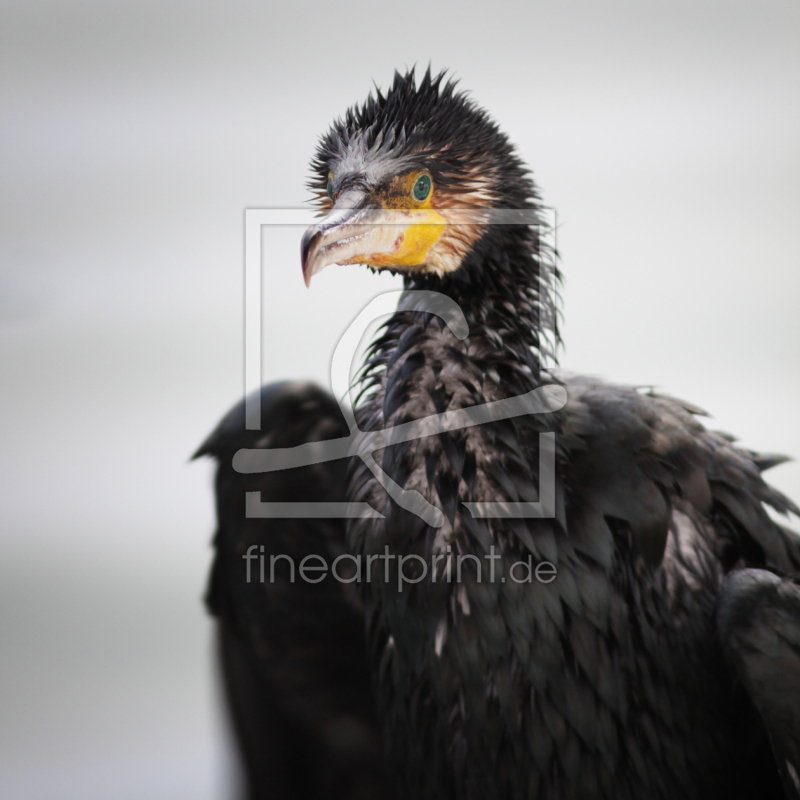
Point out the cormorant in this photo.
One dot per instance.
(658, 655)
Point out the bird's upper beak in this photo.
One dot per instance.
(358, 230)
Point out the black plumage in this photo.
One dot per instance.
(291, 653)
(662, 659)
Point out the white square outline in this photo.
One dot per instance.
(255, 220)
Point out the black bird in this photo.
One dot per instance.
(656, 655)
(292, 653)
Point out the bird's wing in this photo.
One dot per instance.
(758, 616)
(695, 504)
(642, 457)
(293, 654)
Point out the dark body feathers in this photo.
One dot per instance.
(662, 659)
(610, 681)
(757, 615)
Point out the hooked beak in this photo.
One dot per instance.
(359, 232)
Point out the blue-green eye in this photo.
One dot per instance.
(330, 186)
(422, 187)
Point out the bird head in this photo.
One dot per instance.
(406, 179)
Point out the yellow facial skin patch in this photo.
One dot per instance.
(408, 234)
(398, 234)
(418, 225)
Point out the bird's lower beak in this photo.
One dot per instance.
(380, 237)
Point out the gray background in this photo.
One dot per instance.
(133, 135)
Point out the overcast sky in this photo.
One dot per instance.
(132, 138)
